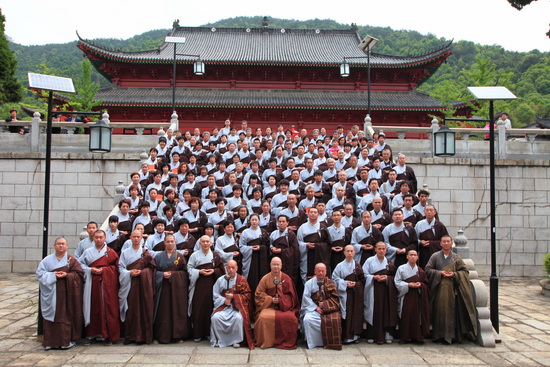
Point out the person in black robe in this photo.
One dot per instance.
(171, 321)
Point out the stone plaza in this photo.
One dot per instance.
(524, 335)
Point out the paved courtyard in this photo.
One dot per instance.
(525, 335)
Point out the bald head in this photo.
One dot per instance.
(320, 271)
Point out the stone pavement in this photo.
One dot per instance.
(524, 320)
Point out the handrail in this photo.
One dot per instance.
(460, 130)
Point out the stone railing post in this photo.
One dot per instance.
(435, 128)
(83, 234)
(143, 156)
(105, 118)
(35, 132)
(367, 127)
(485, 335)
(501, 129)
(119, 193)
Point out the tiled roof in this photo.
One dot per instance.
(280, 99)
(267, 46)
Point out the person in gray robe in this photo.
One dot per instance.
(413, 300)
(350, 282)
(380, 299)
(136, 293)
(364, 237)
(205, 267)
(227, 246)
(230, 324)
(320, 312)
(87, 242)
(61, 278)
(253, 245)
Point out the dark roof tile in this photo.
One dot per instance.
(285, 99)
(265, 46)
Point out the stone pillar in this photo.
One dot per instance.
(35, 132)
(485, 335)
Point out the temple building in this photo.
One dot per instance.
(266, 76)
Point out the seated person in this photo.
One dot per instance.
(320, 314)
(277, 308)
(230, 324)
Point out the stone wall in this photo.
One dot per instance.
(83, 186)
(460, 191)
(82, 189)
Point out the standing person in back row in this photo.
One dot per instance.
(429, 232)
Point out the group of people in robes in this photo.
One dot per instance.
(319, 233)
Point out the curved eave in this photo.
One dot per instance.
(124, 57)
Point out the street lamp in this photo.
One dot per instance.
(444, 142)
(198, 66)
(366, 45)
(100, 137)
(491, 94)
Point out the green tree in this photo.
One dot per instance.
(10, 88)
(86, 89)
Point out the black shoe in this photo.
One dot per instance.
(106, 341)
(127, 342)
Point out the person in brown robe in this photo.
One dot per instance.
(277, 308)
(171, 321)
(101, 305)
(429, 232)
(350, 282)
(414, 301)
(137, 292)
(61, 280)
(320, 313)
(205, 267)
(283, 244)
(380, 297)
(452, 304)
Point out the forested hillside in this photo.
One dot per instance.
(525, 74)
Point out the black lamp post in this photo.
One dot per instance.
(492, 94)
(366, 45)
(198, 66)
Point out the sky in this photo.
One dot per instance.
(487, 22)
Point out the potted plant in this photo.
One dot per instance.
(545, 283)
